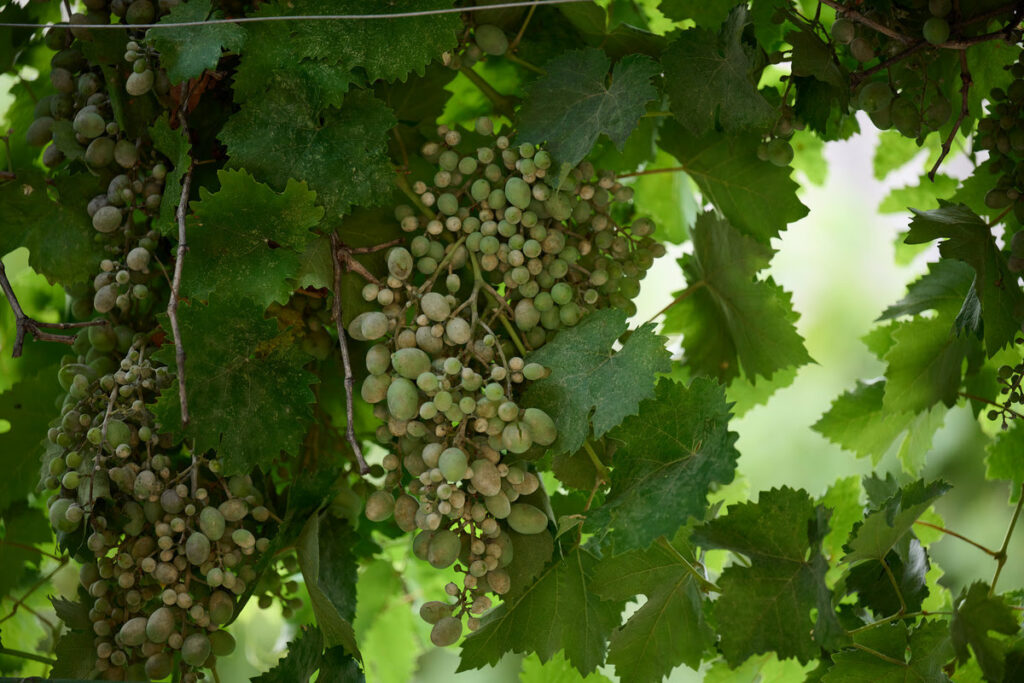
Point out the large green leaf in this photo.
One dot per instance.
(929, 647)
(1005, 459)
(557, 612)
(24, 528)
(187, 52)
(576, 101)
(343, 52)
(673, 452)
(246, 400)
(669, 629)
(758, 198)
(975, 614)
(942, 288)
(340, 152)
(589, 376)
(885, 526)
(705, 13)
(247, 239)
(767, 606)
(329, 571)
(306, 656)
(731, 320)
(924, 365)
(968, 238)
(29, 406)
(710, 78)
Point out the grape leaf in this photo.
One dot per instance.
(173, 145)
(930, 649)
(75, 615)
(924, 365)
(189, 51)
(329, 571)
(58, 234)
(815, 58)
(885, 526)
(731, 320)
(588, 375)
(710, 77)
(393, 645)
(576, 101)
(556, 612)
(843, 500)
(894, 151)
(942, 288)
(615, 38)
(245, 399)
(674, 451)
(555, 670)
(758, 198)
(767, 606)
(969, 239)
(925, 194)
(247, 239)
(28, 406)
(24, 526)
(909, 565)
(340, 153)
(975, 614)
(75, 654)
(306, 656)
(1005, 458)
(669, 629)
(705, 13)
(859, 422)
(341, 51)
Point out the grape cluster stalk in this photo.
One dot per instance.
(506, 247)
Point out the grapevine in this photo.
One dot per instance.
(338, 313)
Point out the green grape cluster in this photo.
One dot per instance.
(505, 249)
(476, 43)
(909, 94)
(167, 544)
(1001, 133)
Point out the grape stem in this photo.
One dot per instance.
(26, 546)
(350, 432)
(499, 300)
(986, 401)
(24, 324)
(403, 185)
(603, 475)
(502, 103)
(1001, 555)
(965, 89)
(954, 534)
(179, 265)
(522, 29)
(685, 294)
(525, 64)
(27, 655)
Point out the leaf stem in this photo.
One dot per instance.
(954, 534)
(876, 653)
(603, 475)
(685, 294)
(895, 585)
(706, 586)
(26, 546)
(27, 655)
(654, 115)
(525, 64)
(1001, 556)
(502, 103)
(965, 90)
(891, 618)
(652, 171)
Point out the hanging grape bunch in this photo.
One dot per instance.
(504, 252)
(1002, 134)
(912, 95)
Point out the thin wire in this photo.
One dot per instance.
(310, 17)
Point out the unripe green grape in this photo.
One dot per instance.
(527, 519)
(861, 50)
(234, 510)
(222, 643)
(843, 31)
(410, 363)
(516, 437)
(559, 206)
(906, 117)
(220, 607)
(374, 388)
(402, 399)
(447, 204)
(197, 548)
(159, 666)
(780, 152)
(936, 30)
(534, 371)
(526, 316)
(400, 262)
(435, 306)
(453, 463)
(446, 632)
(378, 359)
(379, 506)
(443, 549)
(100, 152)
(561, 293)
(139, 83)
(212, 523)
(160, 625)
(368, 326)
(491, 39)
(107, 219)
(486, 478)
(937, 113)
(498, 505)
(518, 193)
(434, 610)
(196, 649)
(125, 153)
